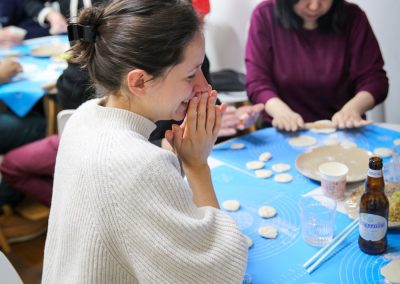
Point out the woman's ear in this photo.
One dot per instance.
(136, 79)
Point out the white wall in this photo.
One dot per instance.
(226, 33)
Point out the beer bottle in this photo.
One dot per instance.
(373, 213)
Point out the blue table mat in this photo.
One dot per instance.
(23, 92)
(279, 260)
(271, 140)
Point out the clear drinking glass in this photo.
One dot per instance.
(317, 219)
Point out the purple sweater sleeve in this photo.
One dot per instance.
(259, 82)
(366, 63)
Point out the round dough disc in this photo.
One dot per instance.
(231, 205)
(392, 271)
(265, 156)
(268, 232)
(348, 144)
(266, 211)
(396, 142)
(279, 168)
(283, 178)
(331, 142)
(302, 141)
(237, 146)
(263, 173)
(255, 165)
(323, 130)
(383, 152)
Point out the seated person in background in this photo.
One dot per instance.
(311, 60)
(121, 198)
(56, 14)
(12, 14)
(15, 131)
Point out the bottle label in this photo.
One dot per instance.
(372, 227)
(375, 173)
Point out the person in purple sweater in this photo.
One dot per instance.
(309, 60)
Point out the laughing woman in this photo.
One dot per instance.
(121, 212)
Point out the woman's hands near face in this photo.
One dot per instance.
(288, 121)
(194, 139)
(349, 119)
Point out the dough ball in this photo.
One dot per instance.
(266, 211)
(391, 272)
(348, 144)
(268, 232)
(279, 168)
(283, 178)
(249, 241)
(323, 126)
(237, 146)
(331, 142)
(323, 130)
(255, 165)
(265, 156)
(383, 152)
(263, 173)
(231, 205)
(302, 141)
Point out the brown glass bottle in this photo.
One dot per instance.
(373, 213)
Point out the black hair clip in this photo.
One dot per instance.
(81, 32)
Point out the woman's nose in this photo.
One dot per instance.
(313, 5)
(200, 83)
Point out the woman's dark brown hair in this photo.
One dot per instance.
(333, 21)
(143, 34)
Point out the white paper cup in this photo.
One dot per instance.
(333, 179)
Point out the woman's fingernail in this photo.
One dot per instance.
(212, 100)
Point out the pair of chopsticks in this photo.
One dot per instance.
(311, 264)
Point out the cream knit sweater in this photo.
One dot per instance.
(121, 212)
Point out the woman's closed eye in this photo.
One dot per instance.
(191, 77)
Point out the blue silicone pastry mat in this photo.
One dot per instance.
(279, 260)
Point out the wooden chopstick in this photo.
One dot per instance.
(326, 250)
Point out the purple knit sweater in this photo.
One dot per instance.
(314, 73)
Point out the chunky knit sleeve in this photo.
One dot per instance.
(161, 236)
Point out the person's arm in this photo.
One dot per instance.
(260, 85)
(47, 13)
(8, 69)
(193, 143)
(351, 113)
(258, 58)
(284, 118)
(366, 70)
